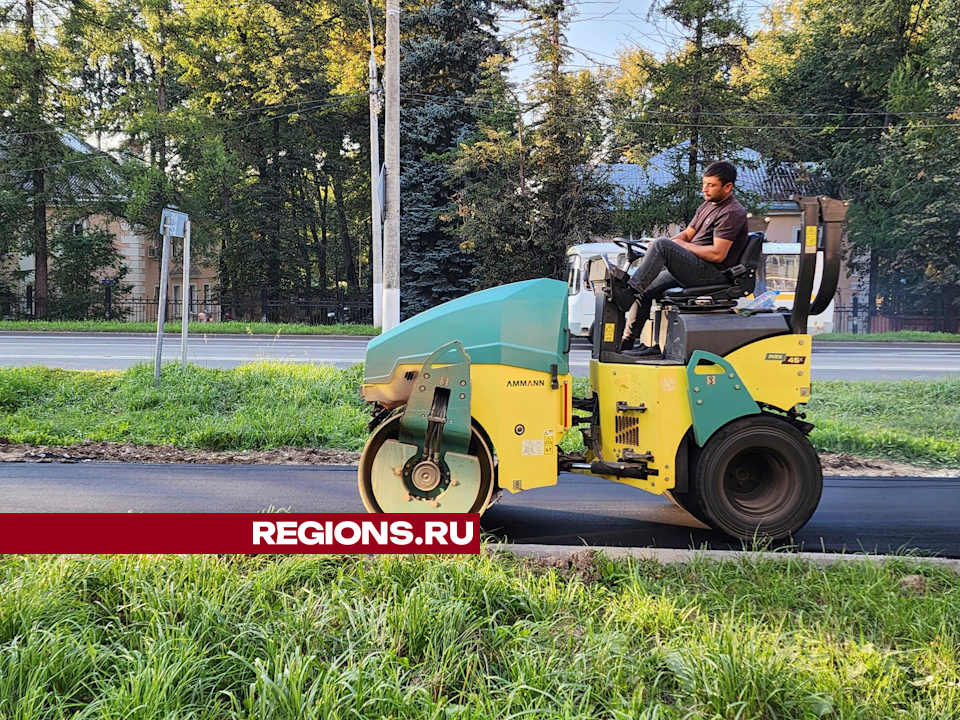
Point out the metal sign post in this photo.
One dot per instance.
(172, 223)
(185, 319)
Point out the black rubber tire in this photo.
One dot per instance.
(755, 478)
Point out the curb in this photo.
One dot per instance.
(671, 557)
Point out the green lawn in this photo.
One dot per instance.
(212, 328)
(257, 406)
(266, 405)
(898, 336)
(471, 637)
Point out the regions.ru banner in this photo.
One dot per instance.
(249, 533)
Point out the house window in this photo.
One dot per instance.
(798, 234)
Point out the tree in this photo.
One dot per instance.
(687, 104)
(868, 84)
(444, 44)
(47, 174)
(534, 174)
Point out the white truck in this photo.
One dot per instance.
(581, 303)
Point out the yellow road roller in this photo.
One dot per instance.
(472, 398)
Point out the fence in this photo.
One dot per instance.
(859, 320)
(250, 307)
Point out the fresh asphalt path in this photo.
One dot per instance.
(840, 361)
(855, 514)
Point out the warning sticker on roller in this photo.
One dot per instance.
(533, 447)
(548, 442)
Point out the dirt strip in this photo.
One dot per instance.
(836, 465)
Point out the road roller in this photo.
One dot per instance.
(473, 397)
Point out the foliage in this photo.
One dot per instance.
(48, 175)
(196, 328)
(880, 80)
(895, 336)
(685, 104)
(86, 256)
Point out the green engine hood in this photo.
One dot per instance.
(522, 325)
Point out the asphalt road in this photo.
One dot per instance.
(855, 514)
(100, 352)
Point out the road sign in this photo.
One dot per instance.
(174, 222)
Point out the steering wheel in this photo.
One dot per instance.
(635, 248)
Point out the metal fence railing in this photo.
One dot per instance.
(859, 320)
(258, 307)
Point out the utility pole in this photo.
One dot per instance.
(375, 220)
(391, 230)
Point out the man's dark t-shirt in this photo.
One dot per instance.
(727, 220)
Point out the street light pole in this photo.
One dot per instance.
(376, 220)
(391, 230)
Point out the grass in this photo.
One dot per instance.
(260, 405)
(211, 328)
(911, 421)
(470, 637)
(265, 405)
(897, 336)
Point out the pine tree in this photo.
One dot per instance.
(687, 104)
(444, 46)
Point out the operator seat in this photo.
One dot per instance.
(742, 278)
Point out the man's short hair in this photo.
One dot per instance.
(723, 170)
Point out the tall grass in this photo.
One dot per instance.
(472, 637)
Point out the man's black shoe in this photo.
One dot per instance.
(643, 351)
(623, 295)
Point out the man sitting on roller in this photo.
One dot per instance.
(712, 243)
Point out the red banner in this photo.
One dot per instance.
(248, 533)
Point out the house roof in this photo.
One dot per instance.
(770, 181)
(77, 184)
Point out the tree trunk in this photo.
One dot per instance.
(311, 209)
(303, 248)
(273, 267)
(322, 249)
(349, 266)
(40, 250)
